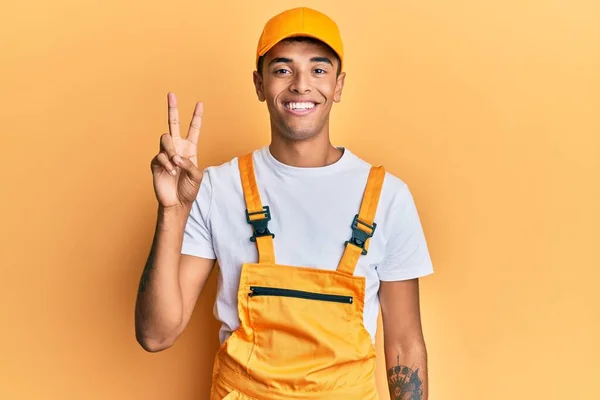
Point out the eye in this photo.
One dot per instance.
(281, 71)
(320, 71)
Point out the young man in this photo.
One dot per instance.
(310, 241)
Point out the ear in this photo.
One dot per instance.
(258, 84)
(339, 85)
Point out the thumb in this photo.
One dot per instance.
(188, 166)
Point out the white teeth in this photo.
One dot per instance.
(300, 106)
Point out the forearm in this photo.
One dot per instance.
(159, 305)
(406, 366)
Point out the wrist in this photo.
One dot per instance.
(173, 214)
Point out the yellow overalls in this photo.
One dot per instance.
(301, 333)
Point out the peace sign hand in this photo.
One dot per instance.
(175, 170)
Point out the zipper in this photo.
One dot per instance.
(269, 291)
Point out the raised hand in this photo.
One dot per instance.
(175, 170)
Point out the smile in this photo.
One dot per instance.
(300, 108)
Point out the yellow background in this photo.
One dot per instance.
(489, 110)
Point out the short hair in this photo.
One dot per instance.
(301, 39)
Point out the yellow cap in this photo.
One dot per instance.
(301, 21)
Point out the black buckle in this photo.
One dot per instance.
(260, 225)
(359, 237)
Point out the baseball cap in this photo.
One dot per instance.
(300, 21)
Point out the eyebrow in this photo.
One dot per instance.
(289, 60)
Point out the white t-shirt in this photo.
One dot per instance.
(311, 210)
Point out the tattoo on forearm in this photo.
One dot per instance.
(405, 383)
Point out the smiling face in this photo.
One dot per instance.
(299, 80)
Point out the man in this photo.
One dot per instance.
(310, 241)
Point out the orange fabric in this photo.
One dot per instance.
(301, 332)
(266, 251)
(300, 21)
(366, 215)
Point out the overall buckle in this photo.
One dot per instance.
(260, 225)
(359, 237)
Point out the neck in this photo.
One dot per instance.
(316, 152)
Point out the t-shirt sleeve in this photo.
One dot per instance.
(197, 237)
(406, 253)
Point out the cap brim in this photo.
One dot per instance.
(272, 44)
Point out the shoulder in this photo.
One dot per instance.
(394, 187)
(228, 171)
(396, 209)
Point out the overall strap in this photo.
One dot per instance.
(256, 215)
(363, 225)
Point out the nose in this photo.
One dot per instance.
(300, 83)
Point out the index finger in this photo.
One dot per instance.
(173, 115)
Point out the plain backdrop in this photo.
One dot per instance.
(489, 110)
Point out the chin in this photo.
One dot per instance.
(294, 129)
(300, 134)
(301, 131)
